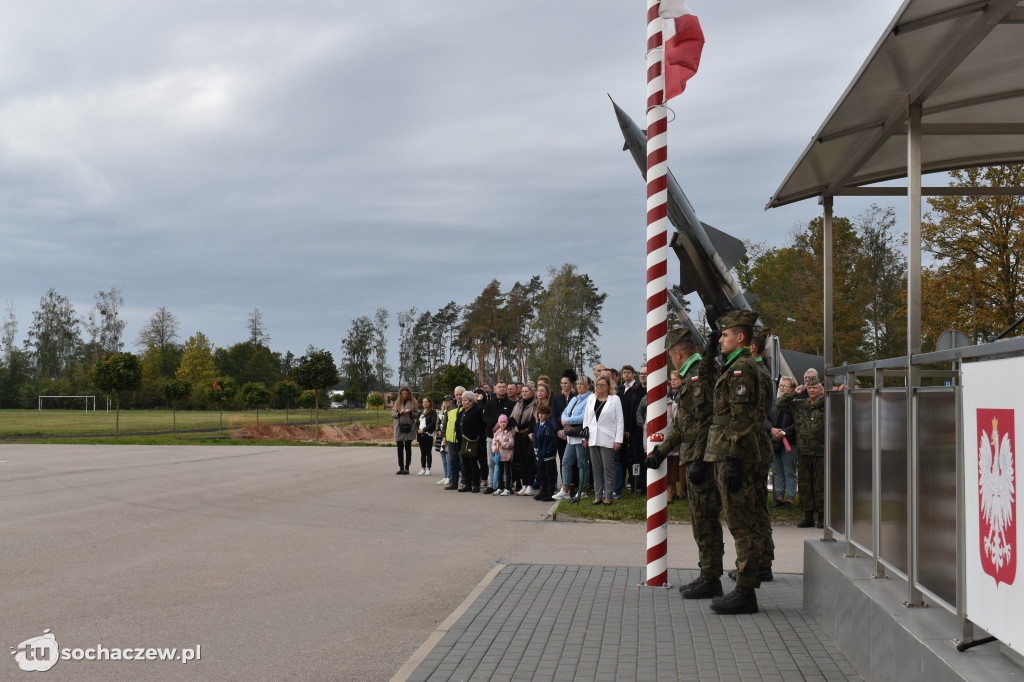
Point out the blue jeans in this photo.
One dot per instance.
(454, 464)
(574, 453)
(784, 474)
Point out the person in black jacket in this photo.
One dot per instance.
(631, 392)
(470, 427)
(493, 409)
(425, 435)
(782, 430)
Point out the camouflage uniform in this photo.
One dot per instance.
(735, 424)
(690, 433)
(767, 457)
(809, 416)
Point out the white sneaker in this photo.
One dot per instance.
(497, 491)
(422, 472)
(443, 481)
(529, 490)
(560, 495)
(426, 472)
(506, 492)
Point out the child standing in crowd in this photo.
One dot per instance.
(504, 444)
(546, 440)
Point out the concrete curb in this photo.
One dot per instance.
(437, 635)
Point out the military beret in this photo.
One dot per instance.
(813, 381)
(678, 336)
(735, 318)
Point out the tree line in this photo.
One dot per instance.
(530, 328)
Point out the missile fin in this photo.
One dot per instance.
(729, 248)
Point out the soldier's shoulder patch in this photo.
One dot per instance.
(741, 389)
(695, 377)
(737, 372)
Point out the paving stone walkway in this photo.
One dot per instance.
(553, 623)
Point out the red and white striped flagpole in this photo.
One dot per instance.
(657, 297)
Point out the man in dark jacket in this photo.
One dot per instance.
(494, 408)
(782, 431)
(631, 393)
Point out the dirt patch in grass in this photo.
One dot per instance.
(352, 433)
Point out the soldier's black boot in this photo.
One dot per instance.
(808, 521)
(699, 580)
(705, 588)
(732, 575)
(740, 600)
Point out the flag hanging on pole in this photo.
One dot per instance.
(683, 40)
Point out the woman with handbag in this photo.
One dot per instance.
(572, 424)
(404, 415)
(469, 425)
(603, 420)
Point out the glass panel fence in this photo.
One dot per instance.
(893, 467)
(835, 451)
(936, 499)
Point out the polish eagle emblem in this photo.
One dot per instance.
(996, 495)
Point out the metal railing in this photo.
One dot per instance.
(893, 464)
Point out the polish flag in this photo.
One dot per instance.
(683, 40)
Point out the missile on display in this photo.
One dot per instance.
(705, 254)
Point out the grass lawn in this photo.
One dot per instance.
(18, 424)
(634, 508)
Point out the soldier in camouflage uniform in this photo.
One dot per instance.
(809, 416)
(733, 448)
(767, 387)
(690, 434)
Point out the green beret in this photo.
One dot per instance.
(735, 318)
(678, 336)
(813, 381)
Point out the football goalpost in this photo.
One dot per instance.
(87, 399)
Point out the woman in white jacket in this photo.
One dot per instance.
(603, 416)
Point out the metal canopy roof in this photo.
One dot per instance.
(963, 62)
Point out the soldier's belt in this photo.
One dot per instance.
(721, 420)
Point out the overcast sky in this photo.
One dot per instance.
(318, 159)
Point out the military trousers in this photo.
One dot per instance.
(706, 522)
(742, 517)
(762, 512)
(811, 482)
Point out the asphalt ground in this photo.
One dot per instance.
(297, 563)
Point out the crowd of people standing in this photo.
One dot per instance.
(729, 430)
(523, 438)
